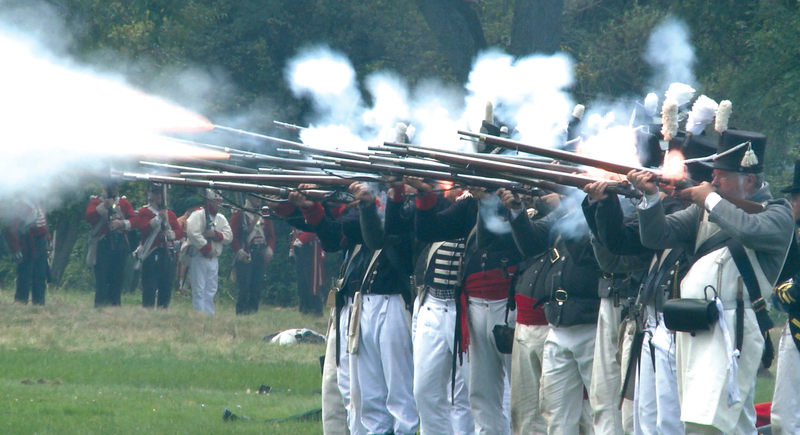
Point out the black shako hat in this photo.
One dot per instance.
(795, 187)
(696, 146)
(648, 149)
(748, 156)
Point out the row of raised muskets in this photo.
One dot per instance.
(536, 170)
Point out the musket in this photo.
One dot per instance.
(517, 159)
(749, 207)
(497, 168)
(290, 127)
(223, 166)
(176, 167)
(559, 154)
(284, 180)
(295, 145)
(519, 185)
(281, 192)
(282, 162)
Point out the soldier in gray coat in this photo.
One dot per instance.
(717, 368)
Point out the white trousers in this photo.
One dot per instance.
(526, 375)
(566, 371)
(386, 367)
(334, 414)
(606, 380)
(203, 274)
(347, 376)
(785, 416)
(657, 404)
(434, 332)
(489, 368)
(746, 425)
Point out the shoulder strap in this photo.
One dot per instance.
(718, 240)
(373, 262)
(345, 271)
(751, 283)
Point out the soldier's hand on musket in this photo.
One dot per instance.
(361, 192)
(596, 190)
(644, 181)
(297, 198)
(398, 189)
(697, 194)
(551, 201)
(418, 183)
(209, 234)
(477, 192)
(268, 254)
(509, 199)
(115, 224)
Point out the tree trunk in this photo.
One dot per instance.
(67, 229)
(457, 28)
(536, 27)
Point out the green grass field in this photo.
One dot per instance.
(68, 368)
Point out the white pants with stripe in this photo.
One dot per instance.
(386, 367)
(657, 404)
(489, 369)
(526, 374)
(786, 400)
(566, 372)
(347, 376)
(434, 332)
(606, 379)
(204, 277)
(334, 413)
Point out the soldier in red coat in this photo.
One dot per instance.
(308, 257)
(29, 242)
(253, 242)
(110, 217)
(159, 228)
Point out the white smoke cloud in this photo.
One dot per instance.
(328, 78)
(62, 120)
(671, 55)
(529, 94)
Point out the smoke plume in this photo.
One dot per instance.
(63, 119)
(529, 94)
(670, 54)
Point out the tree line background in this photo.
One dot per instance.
(747, 51)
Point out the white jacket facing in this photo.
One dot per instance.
(196, 226)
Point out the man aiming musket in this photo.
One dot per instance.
(717, 368)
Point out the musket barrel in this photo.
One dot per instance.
(328, 180)
(237, 187)
(497, 168)
(294, 145)
(556, 154)
(517, 160)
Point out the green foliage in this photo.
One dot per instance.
(746, 52)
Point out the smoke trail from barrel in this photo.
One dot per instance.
(60, 119)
